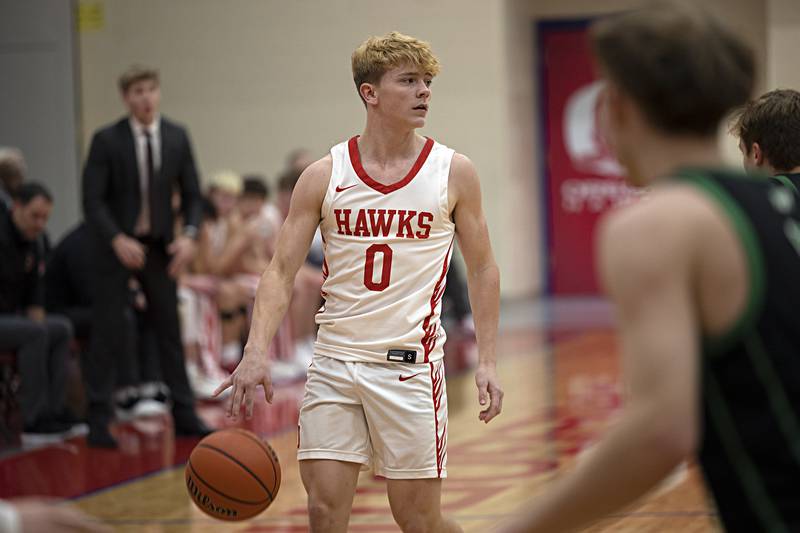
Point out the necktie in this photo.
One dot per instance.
(149, 177)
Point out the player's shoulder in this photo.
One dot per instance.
(463, 176)
(320, 168)
(666, 210)
(315, 178)
(656, 235)
(462, 165)
(463, 183)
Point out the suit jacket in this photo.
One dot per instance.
(111, 192)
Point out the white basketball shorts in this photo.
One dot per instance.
(392, 416)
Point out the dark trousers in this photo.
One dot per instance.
(135, 366)
(111, 334)
(42, 350)
(148, 369)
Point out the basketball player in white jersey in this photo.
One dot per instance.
(389, 204)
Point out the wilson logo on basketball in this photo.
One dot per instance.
(204, 502)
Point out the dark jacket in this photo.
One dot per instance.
(111, 191)
(68, 280)
(21, 268)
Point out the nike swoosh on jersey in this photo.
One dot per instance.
(339, 188)
(406, 378)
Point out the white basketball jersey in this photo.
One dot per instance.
(387, 251)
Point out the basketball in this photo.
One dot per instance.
(233, 475)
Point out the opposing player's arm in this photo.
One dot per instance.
(645, 265)
(275, 288)
(483, 276)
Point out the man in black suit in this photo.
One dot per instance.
(132, 169)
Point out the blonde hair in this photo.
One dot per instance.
(377, 55)
(227, 181)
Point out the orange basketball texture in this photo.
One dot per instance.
(233, 475)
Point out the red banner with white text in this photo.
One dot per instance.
(582, 178)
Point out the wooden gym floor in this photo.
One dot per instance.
(560, 370)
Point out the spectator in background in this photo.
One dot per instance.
(200, 289)
(128, 180)
(40, 340)
(223, 194)
(12, 174)
(270, 216)
(306, 296)
(298, 159)
(254, 239)
(246, 255)
(239, 232)
(236, 242)
(223, 241)
(768, 129)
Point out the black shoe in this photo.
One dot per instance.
(195, 428)
(100, 437)
(46, 426)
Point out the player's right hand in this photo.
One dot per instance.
(252, 370)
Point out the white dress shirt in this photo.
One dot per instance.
(140, 142)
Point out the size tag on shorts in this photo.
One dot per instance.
(402, 356)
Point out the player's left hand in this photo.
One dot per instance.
(489, 390)
(182, 250)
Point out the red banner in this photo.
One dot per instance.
(582, 178)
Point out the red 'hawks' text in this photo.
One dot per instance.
(381, 222)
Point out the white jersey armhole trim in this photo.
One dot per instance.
(445, 186)
(327, 202)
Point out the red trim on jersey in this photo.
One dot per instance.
(355, 160)
(437, 387)
(325, 273)
(429, 339)
(324, 259)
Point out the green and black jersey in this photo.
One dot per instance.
(750, 451)
(792, 181)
